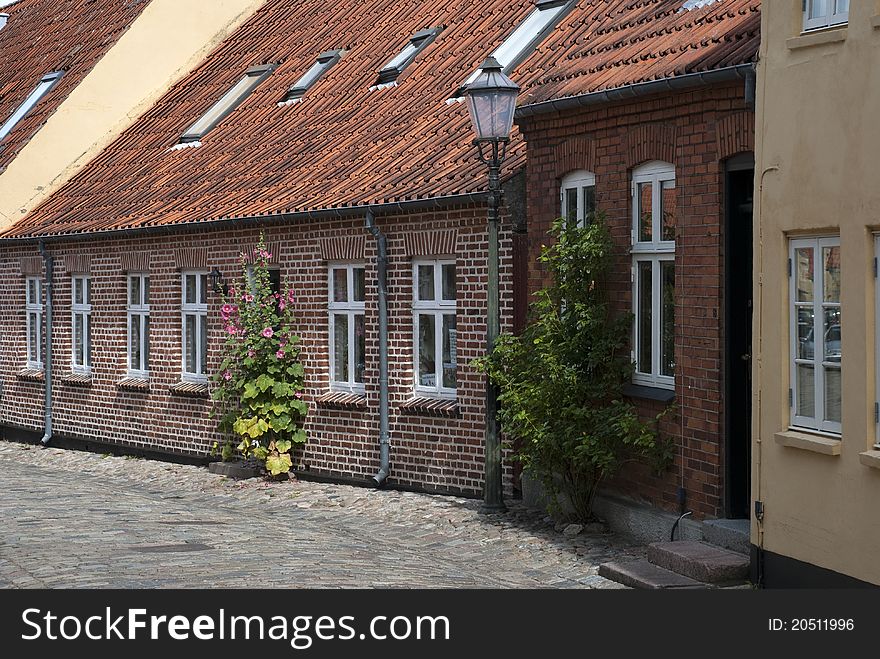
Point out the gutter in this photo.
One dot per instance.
(266, 219)
(675, 83)
(382, 267)
(49, 262)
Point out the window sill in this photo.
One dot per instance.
(431, 406)
(824, 444)
(193, 389)
(648, 393)
(875, 22)
(870, 458)
(817, 38)
(134, 384)
(77, 379)
(342, 399)
(31, 375)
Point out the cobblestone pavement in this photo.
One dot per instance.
(71, 519)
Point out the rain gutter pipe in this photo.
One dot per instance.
(47, 356)
(382, 271)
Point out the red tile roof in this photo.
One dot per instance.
(52, 35)
(346, 146)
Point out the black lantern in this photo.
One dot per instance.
(217, 283)
(491, 100)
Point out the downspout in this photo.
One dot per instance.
(47, 357)
(382, 263)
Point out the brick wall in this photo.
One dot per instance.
(695, 131)
(442, 453)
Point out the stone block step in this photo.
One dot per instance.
(642, 574)
(700, 561)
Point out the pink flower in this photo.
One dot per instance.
(268, 332)
(232, 290)
(227, 375)
(248, 297)
(232, 330)
(227, 309)
(251, 353)
(281, 304)
(298, 394)
(290, 296)
(280, 354)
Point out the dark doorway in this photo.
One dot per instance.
(738, 333)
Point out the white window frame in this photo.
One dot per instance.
(438, 307)
(350, 308)
(200, 310)
(578, 180)
(876, 344)
(655, 251)
(34, 314)
(141, 311)
(83, 309)
(831, 17)
(47, 82)
(818, 423)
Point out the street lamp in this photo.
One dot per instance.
(491, 100)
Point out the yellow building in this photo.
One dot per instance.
(816, 456)
(77, 74)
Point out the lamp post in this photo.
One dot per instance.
(491, 100)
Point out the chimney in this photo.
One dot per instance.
(3, 19)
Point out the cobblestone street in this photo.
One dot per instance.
(73, 519)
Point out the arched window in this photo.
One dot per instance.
(653, 250)
(577, 197)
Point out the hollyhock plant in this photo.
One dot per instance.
(258, 386)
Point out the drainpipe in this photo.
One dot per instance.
(47, 356)
(382, 262)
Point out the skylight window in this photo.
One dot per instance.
(528, 34)
(417, 43)
(319, 68)
(227, 103)
(46, 83)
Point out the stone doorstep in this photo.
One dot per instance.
(647, 576)
(700, 561)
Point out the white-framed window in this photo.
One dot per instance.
(34, 311)
(347, 327)
(577, 197)
(43, 87)
(81, 311)
(653, 274)
(825, 13)
(434, 329)
(194, 325)
(138, 324)
(324, 63)
(815, 333)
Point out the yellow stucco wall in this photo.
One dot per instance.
(817, 173)
(168, 39)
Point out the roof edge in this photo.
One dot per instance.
(673, 83)
(274, 218)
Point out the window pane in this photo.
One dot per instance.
(134, 290)
(190, 343)
(449, 351)
(806, 341)
(189, 282)
(135, 342)
(426, 282)
(33, 292)
(667, 210)
(340, 347)
(841, 7)
(832, 335)
(359, 286)
(804, 269)
(667, 318)
(88, 290)
(589, 203)
(203, 289)
(275, 280)
(831, 278)
(644, 317)
(359, 347)
(33, 334)
(817, 8)
(427, 360)
(832, 394)
(146, 281)
(571, 205)
(203, 345)
(644, 200)
(146, 343)
(340, 285)
(77, 290)
(806, 391)
(449, 281)
(78, 339)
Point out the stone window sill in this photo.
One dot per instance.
(134, 384)
(818, 38)
(870, 458)
(824, 444)
(648, 393)
(77, 379)
(31, 375)
(430, 406)
(342, 399)
(193, 389)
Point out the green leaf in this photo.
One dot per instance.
(283, 446)
(279, 464)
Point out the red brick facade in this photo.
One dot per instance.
(694, 131)
(443, 453)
